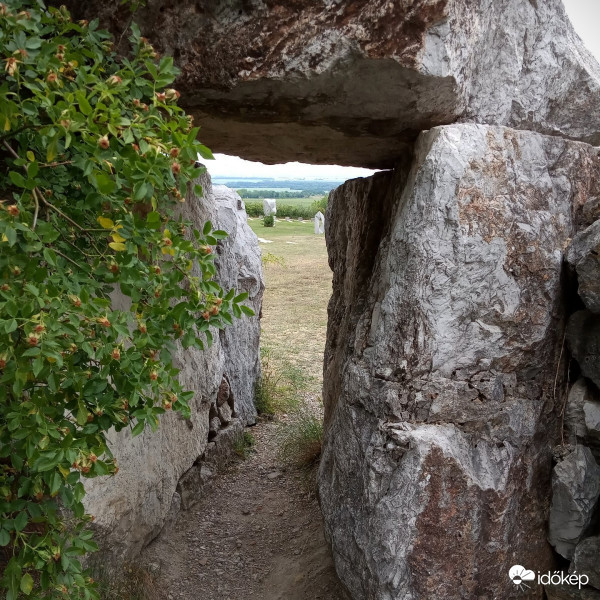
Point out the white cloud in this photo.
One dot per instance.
(233, 166)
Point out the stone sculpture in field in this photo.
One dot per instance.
(319, 220)
(269, 207)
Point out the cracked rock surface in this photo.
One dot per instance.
(440, 362)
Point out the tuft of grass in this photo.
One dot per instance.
(268, 258)
(300, 441)
(134, 583)
(243, 445)
(279, 389)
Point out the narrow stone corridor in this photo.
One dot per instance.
(257, 533)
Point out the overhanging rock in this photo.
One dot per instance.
(353, 82)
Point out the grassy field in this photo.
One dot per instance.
(298, 287)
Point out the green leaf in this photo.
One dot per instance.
(240, 297)
(21, 521)
(105, 183)
(50, 256)
(32, 169)
(4, 537)
(38, 365)
(81, 414)
(26, 584)
(138, 428)
(84, 105)
(205, 152)
(207, 228)
(247, 310)
(56, 482)
(52, 149)
(12, 575)
(17, 179)
(46, 462)
(11, 236)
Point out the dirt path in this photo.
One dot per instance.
(255, 534)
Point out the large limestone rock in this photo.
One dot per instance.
(354, 82)
(582, 416)
(587, 560)
(442, 351)
(583, 337)
(131, 507)
(575, 494)
(584, 256)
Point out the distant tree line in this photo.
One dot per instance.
(309, 187)
(255, 209)
(245, 193)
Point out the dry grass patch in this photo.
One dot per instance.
(297, 291)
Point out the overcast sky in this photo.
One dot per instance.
(585, 16)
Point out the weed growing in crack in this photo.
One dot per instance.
(244, 444)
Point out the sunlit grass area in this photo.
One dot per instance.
(298, 287)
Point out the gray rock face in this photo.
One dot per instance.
(582, 416)
(354, 82)
(575, 493)
(584, 256)
(571, 593)
(583, 337)
(587, 560)
(132, 507)
(441, 354)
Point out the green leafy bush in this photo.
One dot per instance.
(95, 156)
(254, 209)
(319, 205)
(269, 221)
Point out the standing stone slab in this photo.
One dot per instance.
(443, 341)
(269, 207)
(319, 220)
